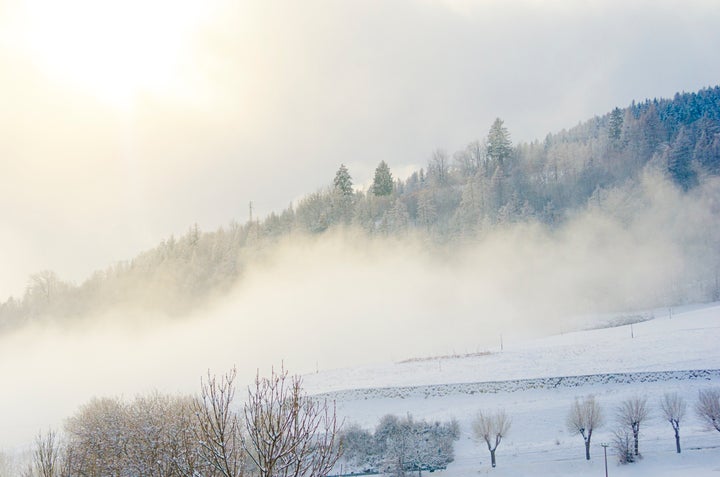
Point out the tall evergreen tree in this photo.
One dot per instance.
(383, 181)
(343, 182)
(679, 159)
(615, 127)
(499, 147)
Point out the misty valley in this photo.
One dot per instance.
(511, 308)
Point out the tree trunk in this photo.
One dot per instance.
(492, 457)
(637, 451)
(636, 432)
(677, 440)
(587, 449)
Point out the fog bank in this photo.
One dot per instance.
(346, 299)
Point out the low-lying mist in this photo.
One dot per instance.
(344, 298)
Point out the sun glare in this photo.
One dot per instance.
(114, 50)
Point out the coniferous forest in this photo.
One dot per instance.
(602, 164)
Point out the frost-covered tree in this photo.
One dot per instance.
(383, 180)
(491, 428)
(286, 432)
(401, 445)
(426, 209)
(439, 168)
(584, 417)
(673, 407)
(218, 429)
(615, 127)
(342, 197)
(46, 455)
(360, 449)
(499, 146)
(631, 414)
(342, 183)
(97, 437)
(708, 408)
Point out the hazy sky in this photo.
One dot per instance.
(124, 122)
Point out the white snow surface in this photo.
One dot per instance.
(614, 366)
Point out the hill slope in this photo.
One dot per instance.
(539, 443)
(457, 198)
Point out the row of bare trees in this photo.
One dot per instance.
(586, 415)
(278, 432)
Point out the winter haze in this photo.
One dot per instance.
(110, 142)
(347, 299)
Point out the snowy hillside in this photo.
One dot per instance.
(612, 363)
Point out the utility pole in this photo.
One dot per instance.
(251, 212)
(501, 342)
(605, 446)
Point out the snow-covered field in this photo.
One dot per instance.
(616, 363)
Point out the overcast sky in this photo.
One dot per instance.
(122, 123)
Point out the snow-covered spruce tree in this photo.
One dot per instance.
(342, 184)
(584, 417)
(342, 197)
(708, 408)
(286, 432)
(499, 146)
(673, 408)
(491, 428)
(631, 413)
(383, 180)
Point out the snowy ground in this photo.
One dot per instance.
(539, 443)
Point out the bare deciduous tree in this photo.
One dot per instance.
(288, 433)
(673, 408)
(584, 418)
(46, 454)
(218, 427)
(708, 408)
(491, 428)
(631, 413)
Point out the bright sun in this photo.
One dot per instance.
(114, 50)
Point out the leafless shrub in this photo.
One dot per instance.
(622, 445)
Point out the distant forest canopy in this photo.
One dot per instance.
(458, 197)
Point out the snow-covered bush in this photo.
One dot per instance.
(400, 445)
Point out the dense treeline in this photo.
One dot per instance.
(457, 197)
